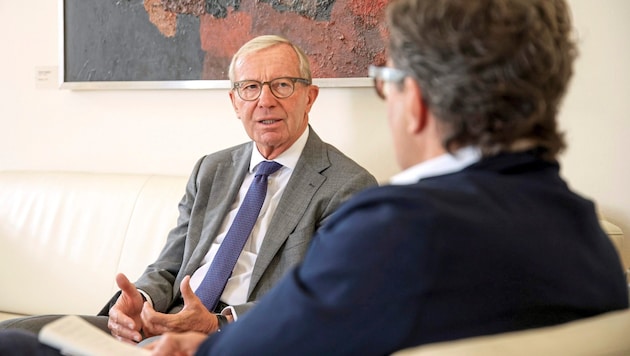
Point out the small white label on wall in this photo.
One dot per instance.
(46, 78)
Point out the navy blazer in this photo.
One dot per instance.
(502, 245)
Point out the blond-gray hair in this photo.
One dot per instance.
(261, 42)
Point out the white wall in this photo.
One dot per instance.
(166, 131)
(596, 112)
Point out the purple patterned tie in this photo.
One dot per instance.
(211, 288)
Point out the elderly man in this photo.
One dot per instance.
(216, 262)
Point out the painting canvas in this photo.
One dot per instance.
(189, 43)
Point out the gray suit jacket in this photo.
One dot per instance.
(322, 180)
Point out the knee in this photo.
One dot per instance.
(30, 323)
(18, 342)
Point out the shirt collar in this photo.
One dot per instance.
(443, 164)
(288, 158)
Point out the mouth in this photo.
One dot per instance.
(268, 122)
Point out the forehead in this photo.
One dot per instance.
(269, 63)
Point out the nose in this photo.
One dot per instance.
(266, 97)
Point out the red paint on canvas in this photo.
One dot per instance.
(340, 47)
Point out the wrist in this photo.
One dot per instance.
(222, 321)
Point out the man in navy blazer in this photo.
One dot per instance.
(478, 234)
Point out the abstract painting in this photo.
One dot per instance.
(166, 41)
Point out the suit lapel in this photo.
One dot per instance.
(302, 186)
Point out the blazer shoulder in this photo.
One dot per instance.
(337, 157)
(394, 198)
(330, 161)
(231, 155)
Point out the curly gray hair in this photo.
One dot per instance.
(492, 71)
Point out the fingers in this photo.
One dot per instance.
(198, 317)
(154, 323)
(187, 293)
(129, 303)
(117, 317)
(122, 328)
(124, 284)
(124, 317)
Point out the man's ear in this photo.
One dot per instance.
(313, 92)
(415, 105)
(232, 99)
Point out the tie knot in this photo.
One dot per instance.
(266, 168)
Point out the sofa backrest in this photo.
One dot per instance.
(64, 236)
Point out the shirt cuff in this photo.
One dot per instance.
(146, 297)
(229, 310)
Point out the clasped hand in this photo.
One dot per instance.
(131, 316)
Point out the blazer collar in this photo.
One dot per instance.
(514, 162)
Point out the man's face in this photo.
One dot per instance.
(398, 119)
(274, 124)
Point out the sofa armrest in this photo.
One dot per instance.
(605, 334)
(618, 238)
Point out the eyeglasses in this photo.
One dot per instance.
(281, 88)
(382, 75)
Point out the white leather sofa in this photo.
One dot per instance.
(64, 236)
(605, 334)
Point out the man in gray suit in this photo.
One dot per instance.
(272, 95)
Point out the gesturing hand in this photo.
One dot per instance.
(124, 317)
(193, 317)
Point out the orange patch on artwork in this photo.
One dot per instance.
(165, 21)
(366, 8)
(223, 37)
